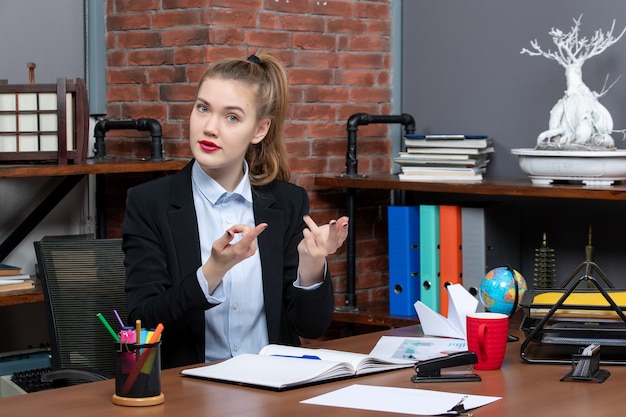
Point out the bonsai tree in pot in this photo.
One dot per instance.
(578, 121)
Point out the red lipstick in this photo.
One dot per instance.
(208, 146)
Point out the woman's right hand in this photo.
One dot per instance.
(225, 255)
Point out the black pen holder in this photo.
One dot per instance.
(138, 374)
(586, 368)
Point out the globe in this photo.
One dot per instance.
(497, 290)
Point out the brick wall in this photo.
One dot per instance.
(337, 54)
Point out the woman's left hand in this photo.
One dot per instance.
(317, 244)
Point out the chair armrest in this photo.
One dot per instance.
(85, 375)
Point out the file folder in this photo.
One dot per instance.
(474, 249)
(450, 252)
(490, 237)
(404, 259)
(429, 256)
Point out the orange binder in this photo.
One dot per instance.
(450, 252)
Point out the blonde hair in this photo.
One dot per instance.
(267, 159)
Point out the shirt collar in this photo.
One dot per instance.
(212, 191)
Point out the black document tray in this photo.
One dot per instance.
(556, 331)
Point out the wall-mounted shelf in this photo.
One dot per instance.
(31, 295)
(499, 189)
(507, 188)
(91, 166)
(72, 173)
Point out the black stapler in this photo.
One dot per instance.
(430, 370)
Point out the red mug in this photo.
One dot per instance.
(487, 335)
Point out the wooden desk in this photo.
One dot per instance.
(527, 390)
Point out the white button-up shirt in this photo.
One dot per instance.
(237, 323)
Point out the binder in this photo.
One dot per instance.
(474, 248)
(490, 238)
(429, 256)
(450, 252)
(404, 259)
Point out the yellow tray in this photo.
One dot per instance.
(580, 300)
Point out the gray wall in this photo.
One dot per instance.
(463, 71)
(48, 33)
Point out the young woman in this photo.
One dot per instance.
(224, 253)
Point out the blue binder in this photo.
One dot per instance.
(404, 259)
(429, 256)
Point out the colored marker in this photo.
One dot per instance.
(138, 332)
(119, 320)
(108, 327)
(152, 338)
(156, 335)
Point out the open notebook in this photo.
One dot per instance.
(281, 367)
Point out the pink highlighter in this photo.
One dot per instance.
(127, 337)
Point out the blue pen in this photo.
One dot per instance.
(300, 357)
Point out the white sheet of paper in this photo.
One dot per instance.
(461, 303)
(416, 348)
(398, 400)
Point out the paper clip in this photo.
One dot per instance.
(459, 408)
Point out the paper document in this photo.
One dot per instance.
(282, 367)
(417, 348)
(460, 304)
(399, 400)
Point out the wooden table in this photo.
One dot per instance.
(527, 390)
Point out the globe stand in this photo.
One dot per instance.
(510, 337)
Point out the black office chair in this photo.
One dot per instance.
(81, 278)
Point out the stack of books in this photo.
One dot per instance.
(444, 157)
(12, 279)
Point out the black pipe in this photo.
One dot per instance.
(350, 299)
(151, 125)
(361, 119)
(101, 212)
(354, 122)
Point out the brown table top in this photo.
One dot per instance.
(527, 390)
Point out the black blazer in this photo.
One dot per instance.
(162, 249)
